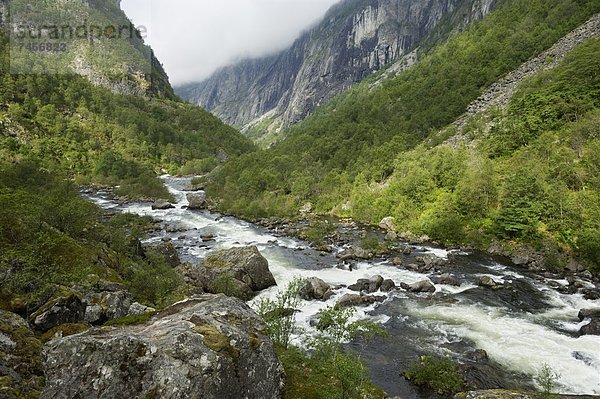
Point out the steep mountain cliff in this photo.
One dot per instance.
(355, 39)
(92, 38)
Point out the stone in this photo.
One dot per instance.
(206, 347)
(64, 307)
(162, 205)
(315, 288)
(196, 200)
(104, 306)
(397, 261)
(21, 368)
(306, 208)
(137, 309)
(388, 285)
(487, 281)
(388, 224)
(592, 328)
(238, 271)
(445, 279)
(591, 294)
(422, 286)
(375, 283)
(349, 300)
(589, 313)
(361, 285)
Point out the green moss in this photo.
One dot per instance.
(213, 338)
(130, 320)
(65, 330)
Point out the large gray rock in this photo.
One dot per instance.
(237, 272)
(104, 306)
(196, 200)
(420, 286)
(21, 369)
(315, 288)
(64, 307)
(210, 347)
(162, 205)
(349, 300)
(446, 279)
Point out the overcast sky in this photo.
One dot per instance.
(192, 38)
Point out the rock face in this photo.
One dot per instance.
(104, 306)
(354, 40)
(21, 371)
(207, 347)
(63, 308)
(238, 271)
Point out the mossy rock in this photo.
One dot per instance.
(64, 330)
(20, 354)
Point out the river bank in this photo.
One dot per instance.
(529, 319)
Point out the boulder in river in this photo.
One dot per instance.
(361, 285)
(196, 200)
(21, 369)
(592, 328)
(388, 285)
(421, 286)
(445, 279)
(162, 205)
(315, 288)
(238, 272)
(488, 282)
(207, 347)
(589, 313)
(388, 224)
(349, 300)
(375, 283)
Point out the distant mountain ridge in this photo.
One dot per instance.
(355, 39)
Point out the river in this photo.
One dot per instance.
(520, 329)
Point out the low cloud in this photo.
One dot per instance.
(193, 38)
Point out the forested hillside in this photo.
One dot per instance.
(373, 151)
(102, 137)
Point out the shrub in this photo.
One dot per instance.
(440, 375)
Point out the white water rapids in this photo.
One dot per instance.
(520, 338)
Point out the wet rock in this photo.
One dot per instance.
(64, 307)
(421, 286)
(488, 282)
(591, 294)
(430, 261)
(361, 285)
(349, 300)
(207, 237)
(478, 355)
(238, 272)
(104, 306)
(354, 253)
(209, 347)
(21, 369)
(397, 262)
(375, 283)
(445, 279)
(196, 200)
(589, 313)
(388, 285)
(592, 328)
(407, 250)
(388, 224)
(167, 251)
(162, 205)
(315, 288)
